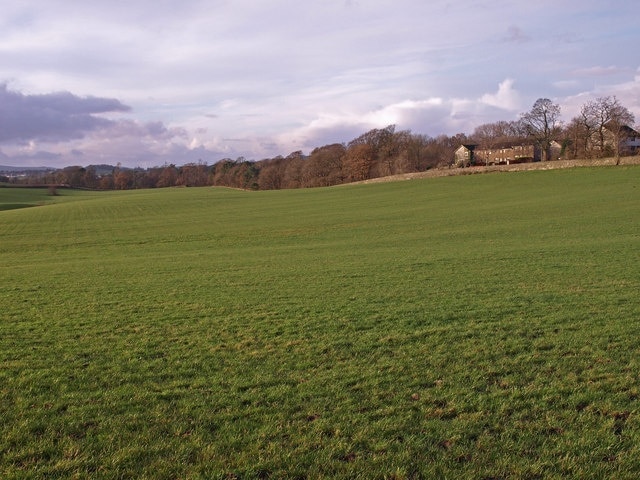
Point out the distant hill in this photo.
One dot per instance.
(101, 169)
(104, 169)
(10, 169)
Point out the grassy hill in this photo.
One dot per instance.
(459, 327)
(13, 198)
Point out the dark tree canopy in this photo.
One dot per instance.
(542, 124)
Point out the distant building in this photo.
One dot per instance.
(605, 140)
(464, 155)
(506, 154)
(630, 142)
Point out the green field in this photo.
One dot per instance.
(18, 197)
(480, 327)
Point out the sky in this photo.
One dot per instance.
(153, 82)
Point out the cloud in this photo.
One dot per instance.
(506, 98)
(597, 71)
(432, 116)
(281, 76)
(627, 92)
(63, 128)
(40, 158)
(55, 116)
(566, 84)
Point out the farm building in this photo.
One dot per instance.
(464, 155)
(508, 155)
(467, 155)
(629, 141)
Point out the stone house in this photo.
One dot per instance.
(630, 141)
(464, 155)
(469, 154)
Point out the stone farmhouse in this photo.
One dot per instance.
(469, 154)
(630, 144)
(612, 140)
(464, 155)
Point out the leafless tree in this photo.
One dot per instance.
(607, 123)
(542, 123)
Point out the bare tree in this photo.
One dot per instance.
(271, 173)
(607, 123)
(496, 134)
(413, 156)
(576, 138)
(542, 123)
(168, 176)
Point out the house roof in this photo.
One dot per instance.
(629, 132)
(626, 130)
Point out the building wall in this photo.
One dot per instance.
(507, 155)
(631, 145)
(463, 156)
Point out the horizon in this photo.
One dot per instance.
(85, 84)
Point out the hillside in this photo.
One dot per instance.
(480, 326)
(520, 167)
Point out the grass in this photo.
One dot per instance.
(17, 197)
(462, 327)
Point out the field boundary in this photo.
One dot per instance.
(519, 167)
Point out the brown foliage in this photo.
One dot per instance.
(324, 166)
(358, 162)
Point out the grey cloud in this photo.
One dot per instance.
(128, 128)
(55, 116)
(38, 158)
(156, 128)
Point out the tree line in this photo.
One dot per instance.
(376, 153)
(598, 131)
